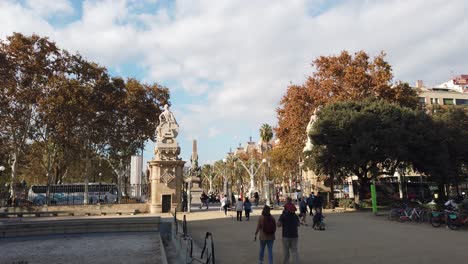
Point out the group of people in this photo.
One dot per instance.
(311, 204)
(289, 221)
(266, 229)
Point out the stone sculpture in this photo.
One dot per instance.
(313, 119)
(167, 147)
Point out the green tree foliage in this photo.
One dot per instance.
(442, 152)
(365, 138)
(266, 134)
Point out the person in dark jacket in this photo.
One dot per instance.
(289, 221)
(318, 203)
(247, 208)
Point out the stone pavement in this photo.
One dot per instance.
(351, 237)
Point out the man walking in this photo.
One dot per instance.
(289, 221)
(310, 202)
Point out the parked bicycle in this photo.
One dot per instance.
(437, 218)
(456, 220)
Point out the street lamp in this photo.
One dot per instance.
(225, 178)
(266, 181)
(2, 168)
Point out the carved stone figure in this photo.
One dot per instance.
(167, 147)
(168, 128)
(313, 118)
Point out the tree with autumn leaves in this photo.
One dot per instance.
(336, 78)
(60, 112)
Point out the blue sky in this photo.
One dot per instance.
(227, 63)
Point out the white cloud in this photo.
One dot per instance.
(48, 8)
(242, 55)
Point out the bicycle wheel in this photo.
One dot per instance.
(425, 215)
(435, 219)
(452, 222)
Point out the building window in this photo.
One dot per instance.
(448, 101)
(434, 100)
(422, 100)
(461, 101)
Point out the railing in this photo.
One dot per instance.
(76, 194)
(209, 249)
(185, 241)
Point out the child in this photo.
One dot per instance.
(318, 221)
(303, 211)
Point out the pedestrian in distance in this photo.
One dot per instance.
(204, 200)
(303, 211)
(318, 203)
(277, 198)
(239, 208)
(184, 202)
(247, 208)
(256, 198)
(266, 226)
(233, 199)
(289, 221)
(224, 204)
(310, 202)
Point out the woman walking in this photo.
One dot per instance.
(224, 204)
(267, 228)
(247, 208)
(239, 208)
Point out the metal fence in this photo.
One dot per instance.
(185, 244)
(75, 194)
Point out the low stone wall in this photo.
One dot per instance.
(103, 208)
(80, 225)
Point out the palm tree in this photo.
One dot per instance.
(266, 134)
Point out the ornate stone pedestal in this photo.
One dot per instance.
(166, 180)
(166, 166)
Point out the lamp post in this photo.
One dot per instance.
(225, 184)
(266, 184)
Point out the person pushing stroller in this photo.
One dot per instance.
(318, 223)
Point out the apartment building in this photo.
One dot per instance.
(452, 92)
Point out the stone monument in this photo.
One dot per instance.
(166, 167)
(193, 179)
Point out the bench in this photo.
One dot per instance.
(34, 213)
(131, 212)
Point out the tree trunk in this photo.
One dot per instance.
(332, 191)
(13, 162)
(357, 192)
(442, 195)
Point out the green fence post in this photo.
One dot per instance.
(374, 199)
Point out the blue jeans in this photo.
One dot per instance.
(268, 243)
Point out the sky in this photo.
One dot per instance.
(228, 63)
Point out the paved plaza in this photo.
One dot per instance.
(351, 237)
